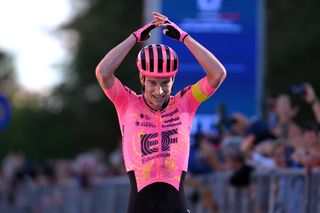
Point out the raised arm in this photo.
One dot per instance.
(312, 99)
(112, 60)
(216, 72)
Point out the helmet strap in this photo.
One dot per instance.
(142, 86)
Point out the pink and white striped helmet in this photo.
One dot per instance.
(157, 60)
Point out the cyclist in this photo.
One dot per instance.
(155, 126)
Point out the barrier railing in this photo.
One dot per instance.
(290, 191)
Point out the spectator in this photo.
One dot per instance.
(293, 144)
(235, 162)
(309, 154)
(285, 113)
(262, 155)
(312, 99)
(312, 153)
(203, 157)
(257, 132)
(278, 154)
(239, 124)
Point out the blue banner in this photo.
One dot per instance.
(5, 112)
(230, 30)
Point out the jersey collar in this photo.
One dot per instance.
(164, 105)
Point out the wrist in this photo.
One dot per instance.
(134, 36)
(184, 38)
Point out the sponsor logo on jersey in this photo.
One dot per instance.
(145, 124)
(171, 125)
(143, 116)
(172, 120)
(184, 91)
(170, 114)
(128, 90)
(150, 145)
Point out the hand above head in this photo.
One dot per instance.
(143, 33)
(310, 95)
(172, 30)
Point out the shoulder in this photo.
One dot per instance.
(184, 91)
(118, 92)
(129, 91)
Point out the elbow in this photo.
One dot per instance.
(98, 71)
(217, 77)
(222, 74)
(102, 72)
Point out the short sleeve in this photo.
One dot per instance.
(192, 96)
(202, 90)
(118, 93)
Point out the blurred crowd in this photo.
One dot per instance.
(275, 141)
(239, 145)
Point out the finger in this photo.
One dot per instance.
(165, 31)
(158, 25)
(160, 22)
(160, 19)
(158, 15)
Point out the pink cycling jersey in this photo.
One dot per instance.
(156, 144)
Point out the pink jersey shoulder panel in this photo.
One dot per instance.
(192, 96)
(205, 87)
(202, 90)
(118, 93)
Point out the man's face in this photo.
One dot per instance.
(157, 90)
(311, 138)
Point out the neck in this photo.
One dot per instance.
(164, 105)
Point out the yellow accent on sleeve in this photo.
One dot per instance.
(198, 94)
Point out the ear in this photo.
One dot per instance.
(142, 79)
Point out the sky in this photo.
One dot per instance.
(27, 33)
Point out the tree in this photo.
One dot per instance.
(292, 47)
(89, 119)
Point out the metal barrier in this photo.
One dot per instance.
(292, 191)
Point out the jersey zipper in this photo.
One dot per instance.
(159, 142)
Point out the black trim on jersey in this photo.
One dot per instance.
(157, 197)
(164, 105)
